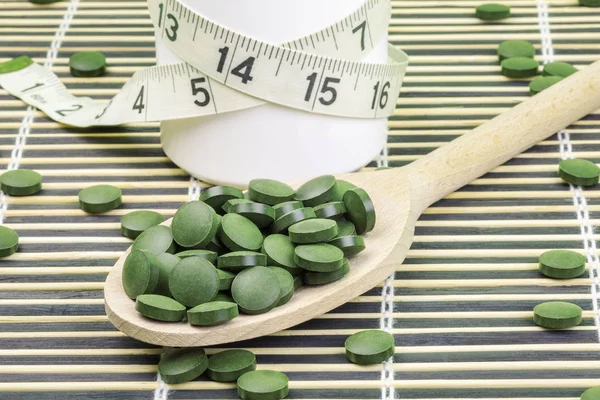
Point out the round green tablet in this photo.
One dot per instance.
(100, 198)
(282, 224)
(591, 394)
(350, 245)
(9, 241)
(262, 385)
(217, 196)
(140, 273)
(229, 365)
(341, 188)
(213, 313)
(334, 210)
(283, 208)
(315, 230)
(520, 67)
(562, 264)
(165, 263)
(492, 12)
(579, 172)
(194, 281)
(316, 191)
(223, 296)
(261, 215)
(225, 279)
(558, 68)
(157, 240)
(515, 48)
(233, 202)
(346, 228)
(136, 222)
(194, 224)
(557, 315)
(87, 64)
(286, 283)
(256, 290)
(239, 260)
(44, 1)
(21, 182)
(239, 233)
(361, 211)
(279, 250)
(182, 365)
(589, 3)
(369, 347)
(319, 257)
(321, 278)
(208, 255)
(542, 83)
(269, 191)
(160, 308)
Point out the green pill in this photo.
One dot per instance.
(222, 296)
(160, 308)
(100, 198)
(520, 67)
(319, 257)
(156, 240)
(279, 250)
(361, 211)
(21, 182)
(87, 64)
(591, 394)
(543, 83)
(589, 3)
(346, 228)
(233, 202)
(9, 241)
(194, 224)
(269, 191)
(261, 215)
(217, 196)
(44, 1)
(317, 191)
(215, 243)
(240, 260)
(229, 365)
(225, 279)
(579, 172)
(16, 64)
(350, 245)
(562, 264)
(140, 273)
(208, 255)
(492, 12)
(557, 315)
(298, 282)
(561, 69)
(194, 281)
(321, 278)
(313, 231)
(515, 48)
(212, 313)
(282, 224)
(238, 233)
(286, 283)
(262, 385)
(182, 365)
(165, 263)
(341, 188)
(283, 208)
(334, 210)
(369, 347)
(256, 290)
(136, 222)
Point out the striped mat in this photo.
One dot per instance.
(460, 306)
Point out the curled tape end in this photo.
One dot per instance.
(15, 64)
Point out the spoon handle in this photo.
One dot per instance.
(454, 165)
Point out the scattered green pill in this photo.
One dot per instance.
(515, 48)
(261, 215)
(543, 83)
(21, 182)
(212, 313)
(136, 222)
(194, 224)
(165, 263)
(350, 245)
(233, 202)
(256, 290)
(361, 211)
(561, 69)
(341, 188)
(239, 260)
(140, 273)
(315, 230)
(262, 385)
(269, 191)
(182, 365)
(217, 196)
(160, 308)
(282, 224)
(225, 279)
(279, 250)
(562, 264)
(346, 228)
(194, 281)
(370, 347)
(239, 233)
(492, 12)
(286, 283)
(44, 1)
(87, 64)
(317, 191)
(229, 365)
(9, 241)
(557, 315)
(520, 67)
(321, 278)
(591, 394)
(333, 210)
(283, 208)
(157, 240)
(100, 198)
(208, 255)
(319, 257)
(579, 172)
(589, 3)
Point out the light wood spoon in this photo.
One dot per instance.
(399, 195)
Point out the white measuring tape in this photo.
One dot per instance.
(226, 71)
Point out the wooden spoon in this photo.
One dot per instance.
(399, 195)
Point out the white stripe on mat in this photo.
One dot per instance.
(566, 151)
(25, 128)
(387, 324)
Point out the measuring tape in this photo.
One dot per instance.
(225, 71)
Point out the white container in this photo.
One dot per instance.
(271, 141)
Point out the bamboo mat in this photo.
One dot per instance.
(460, 305)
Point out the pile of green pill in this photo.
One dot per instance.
(232, 252)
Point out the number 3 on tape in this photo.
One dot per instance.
(225, 71)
